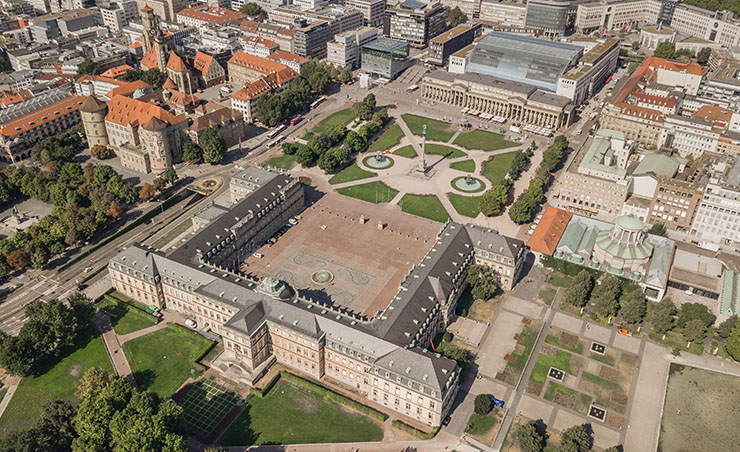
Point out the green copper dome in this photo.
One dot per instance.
(630, 222)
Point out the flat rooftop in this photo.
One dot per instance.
(455, 32)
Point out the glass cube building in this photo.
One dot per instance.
(385, 57)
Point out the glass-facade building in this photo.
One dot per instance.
(385, 57)
(523, 59)
(550, 16)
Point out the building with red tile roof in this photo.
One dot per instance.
(203, 15)
(291, 60)
(208, 71)
(130, 89)
(117, 71)
(549, 231)
(245, 68)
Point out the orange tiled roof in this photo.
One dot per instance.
(256, 63)
(179, 98)
(117, 71)
(654, 63)
(287, 56)
(135, 45)
(202, 62)
(169, 84)
(127, 88)
(175, 63)
(8, 98)
(655, 100)
(40, 116)
(124, 111)
(258, 40)
(249, 25)
(549, 231)
(642, 112)
(254, 90)
(714, 113)
(150, 59)
(212, 14)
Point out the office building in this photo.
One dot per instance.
(414, 21)
(199, 17)
(385, 57)
(449, 42)
(117, 15)
(165, 10)
(674, 203)
(372, 11)
(245, 69)
(503, 13)
(346, 49)
(53, 26)
(550, 17)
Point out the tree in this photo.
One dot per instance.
(353, 142)
(693, 311)
(733, 343)
(633, 307)
(694, 331)
(493, 200)
(213, 145)
(574, 439)
(529, 438)
(665, 50)
(101, 152)
(606, 296)
(170, 176)
(578, 292)
(191, 152)
(18, 259)
(455, 16)
(661, 315)
(252, 10)
(362, 111)
(703, 56)
(305, 155)
(93, 383)
(613, 449)
(483, 404)
(522, 209)
(147, 191)
(89, 66)
(483, 281)
(346, 75)
(518, 163)
(636, 46)
(658, 229)
(52, 432)
(725, 328)
(114, 210)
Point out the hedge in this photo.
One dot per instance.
(413, 430)
(270, 384)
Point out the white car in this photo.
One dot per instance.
(258, 255)
(88, 269)
(191, 323)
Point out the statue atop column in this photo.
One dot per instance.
(423, 163)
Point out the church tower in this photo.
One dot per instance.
(149, 20)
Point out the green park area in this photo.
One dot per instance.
(173, 234)
(282, 161)
(56, 382)
(426, 206)
(486, 141)
(567, 397)
(465, 205)
(467, 166)
(160, 366)
(341, 117)
(547, 295)
(550, 358)
(350, 173)
(125, 316)
(391, 137)
(406, 151)
(496, 168)
(436, 130)
(292, 414)
(374, 192)
(440, 149)
(484, 427)
(516, 361)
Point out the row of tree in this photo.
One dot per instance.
(523, 209)
(493, 201)
(532, 437)
(111, 417)
(49, 326)
(273, 109)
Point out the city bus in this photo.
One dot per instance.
(276, 131)
(317, 102)
(412, 88)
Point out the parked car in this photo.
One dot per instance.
(191, 323)
(258, 255)
(88, 269)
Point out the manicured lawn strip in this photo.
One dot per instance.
(486, 141)
(436, 130)
(465, 205)
(561, 361)
(547, 295)
(582, 401)
(441, 149)
(374, 192)
(608, 384)
(205, 405)
(124, 317)
(496, 168)
(559, 280)
(170, 236)
(391, 137)
(291, 414)
(342, 117)
(552, 340)
(162, 360)
(529, 336)
(480, 424)
(606, 359)
(58, 382)
(426, 206)
(406, 151)
(282, 161)
(350, 173)
(464, 165)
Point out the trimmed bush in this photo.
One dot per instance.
(447, 337)
(413, 430)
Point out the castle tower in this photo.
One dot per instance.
(157, 144)
(93, 113)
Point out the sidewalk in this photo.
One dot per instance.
(113, 346)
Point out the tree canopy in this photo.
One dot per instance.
(661, 315)
(213, 145)
(252, 9)
(529, 438)
(665, 50)
(455, 16)
(574, 439)
(483, 281)
(89, 66)
(492, 202)
(153, 77)
(579, 292)
(658, 229)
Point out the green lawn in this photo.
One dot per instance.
(465, 205)
(479, 424)
(675, 339)
(547, 295)
(608, 384)
(282, 161)
(162, 360)
(124, 317)
(464, 165)
(441, 149)
(374, 192)
(170, 236)
(59, 381)
(406, 151)
(436, 130)
(514, 369)
(552, 340)
(606, 359)
(426, 206)
(290, 414)
(486, 141)
(342, 117)
(391, 137)
(350, 173)
(558, 279)
(2, 393)
(496, 168)
(561, 361)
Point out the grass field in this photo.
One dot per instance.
(484, 427)
(290, 414)
(426, 206)
(125, 318)
(59, 381)
(160, 367)
(558, 279)
(205, 405)
(496, 168)
(350, 173)
(281, 161)
(342, 117)
(553, 340)
(441, 149)
(547, 295)
(567, 397)
(561, 361)
(709, 404)
(464, 165)
(374, 192)
(391, 137)
(436, 130)
(465, 205)
(486, 141)
(170, 236)
(514, 369)
(406, 151)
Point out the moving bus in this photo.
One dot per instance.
(296, 120)
(317, 102)
(412, 88)
(276, 131)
